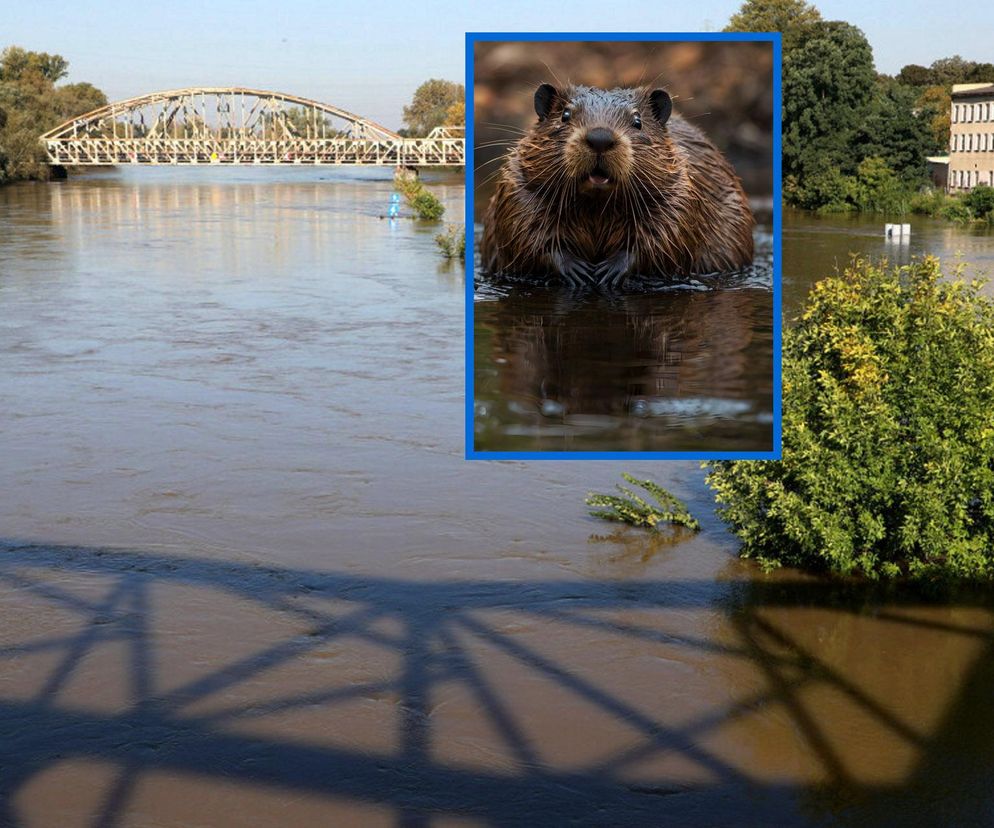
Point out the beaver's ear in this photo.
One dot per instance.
(662, 105)
(545, 95)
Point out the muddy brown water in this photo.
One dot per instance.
(248, 579)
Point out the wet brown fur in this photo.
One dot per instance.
(675, 205)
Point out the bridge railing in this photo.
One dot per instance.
(441, 148)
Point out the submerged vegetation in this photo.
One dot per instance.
(974, 207)
(30, 104)
(629, 507)
(419, 198)
(888, 433)
(452, 241)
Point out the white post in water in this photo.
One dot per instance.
(897, 232)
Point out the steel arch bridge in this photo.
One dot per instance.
(237, 125)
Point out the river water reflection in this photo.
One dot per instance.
(246, 576)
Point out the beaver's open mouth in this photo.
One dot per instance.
(599, 177)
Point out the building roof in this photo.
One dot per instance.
(972, 90)
(937, 159)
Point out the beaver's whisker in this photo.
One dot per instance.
(505, 127)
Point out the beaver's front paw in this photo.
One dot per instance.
(612, 272)
(576, 272)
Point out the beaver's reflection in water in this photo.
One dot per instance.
(684, 369)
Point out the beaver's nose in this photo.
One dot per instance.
(600, 139)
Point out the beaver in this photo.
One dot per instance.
(610, 184)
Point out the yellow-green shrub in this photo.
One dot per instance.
(888, 432)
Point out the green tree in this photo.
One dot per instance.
(430, 105)
(828, 82)
(455, 115)
(878, 188)
(947, 71)
(32, 104)
(73, 99)
(915, 75)
(789, 17)
(891, 130)
(933, 106)
(16, 62)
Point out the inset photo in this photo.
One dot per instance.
(623, 207)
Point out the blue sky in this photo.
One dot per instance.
(370, 56)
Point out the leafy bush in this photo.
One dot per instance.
(878, 189)
(875, 188)
(452, 242)
(980, 200)
(928, 202)
(888, 432)
(631, 508)
(828, 191)
(977, 205)
(956, 209)
(427, 206)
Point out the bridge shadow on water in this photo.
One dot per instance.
(443, 632)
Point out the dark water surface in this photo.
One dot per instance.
(688, 367)
(246, 577)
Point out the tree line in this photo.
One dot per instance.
(855, 139)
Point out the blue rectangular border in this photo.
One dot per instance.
(470, 452)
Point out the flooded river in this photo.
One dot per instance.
(247, 578)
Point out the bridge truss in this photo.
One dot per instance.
(220, 125)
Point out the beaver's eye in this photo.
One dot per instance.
(637, 121)
(567, 114)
